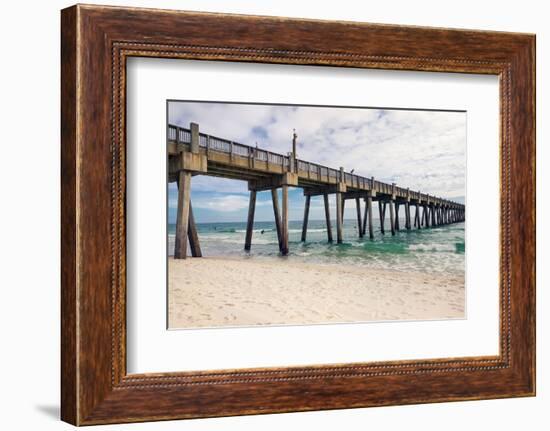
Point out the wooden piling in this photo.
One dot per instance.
(284, 246)
(423, 216)
(339, 217)
(365, 216)
(392, 218)
(359, 221)
(343, 207)
(193, 235)
(250, 222)
(195, 145)
(396, 205)
(407, 215)
(382, 211)
(277, 215)
(327, 217)
(306, 216)
(182, 217)
(369, 210)
(427, 216)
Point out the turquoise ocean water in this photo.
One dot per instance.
(432, 250)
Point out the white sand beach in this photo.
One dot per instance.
(212, 292)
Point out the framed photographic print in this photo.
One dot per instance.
(281, 263)
(265, 214)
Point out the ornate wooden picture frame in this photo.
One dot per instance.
(96, 42)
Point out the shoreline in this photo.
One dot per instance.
(239, 291)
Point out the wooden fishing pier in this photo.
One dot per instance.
(191, 153)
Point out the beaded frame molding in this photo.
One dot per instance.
(95, 43)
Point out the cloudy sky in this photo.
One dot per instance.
(423, 150)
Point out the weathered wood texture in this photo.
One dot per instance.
(250, 220)
(365, 216)
(339, 218)
(193, 235)
(369, 213)
(284, 219)
(382, 210)
(96, 41)
(359, 221)
(396, 217)
(182, 216)
(306, 218)
(327, 217)
(277, 216)
(393, 219)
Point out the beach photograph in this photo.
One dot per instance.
(302, 215)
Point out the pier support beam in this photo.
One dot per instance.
(339, 217)
(182, 217)
(193, 234)
(284, 228)
(417, 216)
(407, 215)
(250, 221)
(392, 218)
(359, 221)
(369, 211)
(365, 215)
(382, 211)
(343, 207)
(277, 215)
(427, 216)
(396, 205)
(327, 218)
(423, 216)
(183, 165)
(306, 216)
